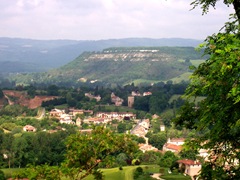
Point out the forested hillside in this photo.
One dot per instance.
(119, 66)
(29, 55)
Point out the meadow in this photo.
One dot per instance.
(115, 173)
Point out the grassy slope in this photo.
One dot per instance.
(9, 172)
(176, 96)
(128, 71)
(116, 174)
(126, 173)
(122, 72)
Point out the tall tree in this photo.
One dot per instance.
(217, 118)
(85, 152)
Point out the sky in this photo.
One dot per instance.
(108, 19)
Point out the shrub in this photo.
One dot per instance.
(2, 176)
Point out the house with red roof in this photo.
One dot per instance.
(190, 167)
(172, 147)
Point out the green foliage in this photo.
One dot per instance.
(138, 139)
(43, 172)
(150, 157)
(8, 126)
(121, 159)
(124, 126)
(2, 176)
(121, 128)
(17, 110)
(216, 119)
(205, 4)
(188, 154)
(123, 67)
(32, 148)
(168, 159)
(85, 152)
(157, 140)
(138, 172)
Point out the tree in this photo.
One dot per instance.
(157, 140)
(2, 176)
(85, 152)
(31, 91)
(20, 147)
(150, 157)
(7, 149)
(168, 159)
(121, 127)
(216, 119)
(121, 159)
(205, 4)
(53, 90)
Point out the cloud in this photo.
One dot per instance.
(103, 19)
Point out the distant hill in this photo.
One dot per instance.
(120, 66)
(28, 55)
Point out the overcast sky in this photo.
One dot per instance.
(107, 19)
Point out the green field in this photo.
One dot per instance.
(197, 62)
(10, 171)
(176, 96)
(126, 173)
(115, 174)
(182, 77)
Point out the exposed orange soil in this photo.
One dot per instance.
(20, 97)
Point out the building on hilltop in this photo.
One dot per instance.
(116, 100)
(90, 96)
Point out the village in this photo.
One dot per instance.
(84, 119)
(78, 117)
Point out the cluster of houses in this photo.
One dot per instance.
(174, 145)
(98, 118)
(190, 167)
(119, 101)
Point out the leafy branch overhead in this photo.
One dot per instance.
(206, 4)
(216, 118)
